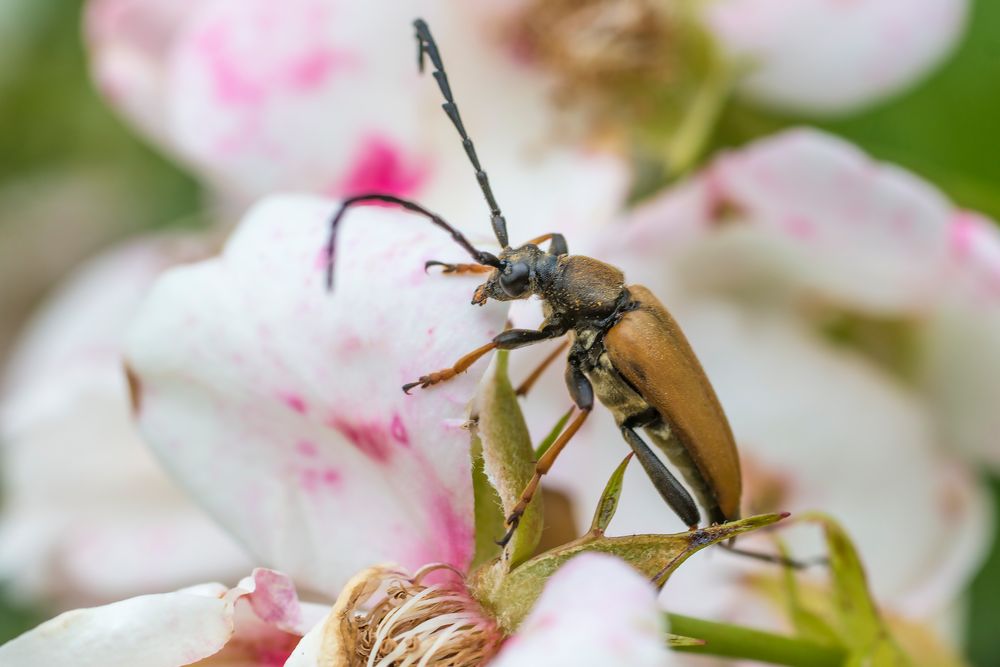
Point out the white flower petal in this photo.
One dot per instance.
(89, 516)
(826, 56)
(278, 403)
(826, 217)
(170, 629)
(595, 610)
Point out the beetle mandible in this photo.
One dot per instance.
(625, 349)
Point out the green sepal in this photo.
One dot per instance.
(868, 640)
(547, 442)
(808, 624)
(488, 510)
(508, 458)
(511, 596)
(608, 504)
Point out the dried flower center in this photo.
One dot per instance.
(603, 53)
(391, 618)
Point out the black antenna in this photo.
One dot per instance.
(479, 256)
(427, 47)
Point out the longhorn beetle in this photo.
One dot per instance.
(625, 349)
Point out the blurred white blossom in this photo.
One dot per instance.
(89, 515)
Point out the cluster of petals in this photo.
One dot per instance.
(276, 402)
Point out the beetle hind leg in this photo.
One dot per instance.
(671, 490)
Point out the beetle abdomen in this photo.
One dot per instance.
(648, 349)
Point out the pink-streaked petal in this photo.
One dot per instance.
(813, 211)
(129, 43)
(278, 403)
(817, 428)
(173, 629)
(89, 515)
(829, 56)
(267, 98)
(595, 610)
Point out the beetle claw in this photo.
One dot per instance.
(513, 520)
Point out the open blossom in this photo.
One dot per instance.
(595, 611)
(277, 403)
(89, 516)
(837, 305)
(324, 96)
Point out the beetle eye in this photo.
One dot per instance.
(514, 280)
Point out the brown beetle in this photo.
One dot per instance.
(625, 348)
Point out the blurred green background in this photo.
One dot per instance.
(73, 179)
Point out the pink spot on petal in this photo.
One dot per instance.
(799, 227)
(451, 533)
(963, 231)
(371, 439)
(307, 448)
(380, 166)
(398, 431)
(294, 401)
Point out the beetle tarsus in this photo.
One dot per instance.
(512, 521)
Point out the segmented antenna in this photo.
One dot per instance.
(479, 256)
(428, 48)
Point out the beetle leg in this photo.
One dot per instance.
(458, 268)
(530, 381)
(583, 395)
(543, 465)
(558, 245)
(670, 489)
(511, 339)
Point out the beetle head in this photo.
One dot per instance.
(522, 272)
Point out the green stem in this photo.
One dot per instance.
(733, 641)
(695, 129)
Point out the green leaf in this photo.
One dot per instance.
(608, 504)
(656, 556)
(508, 458)
(544, 445)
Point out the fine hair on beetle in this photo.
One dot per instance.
(624, 349)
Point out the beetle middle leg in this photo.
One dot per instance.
(511, 339)
(583, 395)
(530, 381)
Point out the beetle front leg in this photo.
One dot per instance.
(458, 269)
(505, 340)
